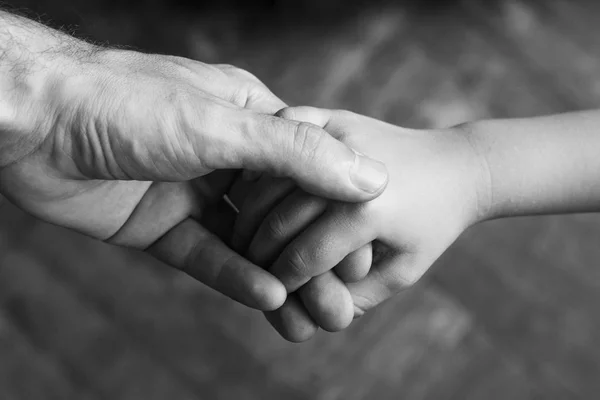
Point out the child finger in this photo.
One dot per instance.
(356, 265)
(323, 245)
(328, 301)
(267, 193)
(389, 277)
(292, 321)
(286, 221)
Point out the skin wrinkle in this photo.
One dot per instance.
(296, 262)
(175, 161)
(132, 215)
(197, 249)
(137, 202)
(221, 276)
(58, 124)
(59, 153)
(183, 125)
(275, 224)
(120, 113)
(82, 145)
(194, 145)
(106, 157)
(364, 303)
(92, 160)
(181, 137)
(481, 155)
(219, 150)
(310, 141)
(103, 131)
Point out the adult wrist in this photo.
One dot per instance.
(34, 59)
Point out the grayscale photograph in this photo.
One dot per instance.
(299, 200)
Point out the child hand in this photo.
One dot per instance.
(324, 301)
(437, 188)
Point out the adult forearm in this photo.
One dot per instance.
(31, 58)
(540, 165)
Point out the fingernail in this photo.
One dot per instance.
(367, 174)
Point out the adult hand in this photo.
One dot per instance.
(122, 115)
(88, 134)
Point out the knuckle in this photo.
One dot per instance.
(296, 262)
(221, 279)
(181, 66)
(235, 71)
(287, 113)
(242, 73)
(307, 140)
(344, 114)
(197, 129)
(275, 225)
(226, 67)
(362, 304)
(259, 97)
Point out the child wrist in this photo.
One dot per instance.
(482, 173)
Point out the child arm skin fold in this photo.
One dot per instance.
(441, 182)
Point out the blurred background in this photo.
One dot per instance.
(510, 312)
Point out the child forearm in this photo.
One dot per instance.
(539, 165)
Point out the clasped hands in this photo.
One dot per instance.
(337, 259)
(138, 150)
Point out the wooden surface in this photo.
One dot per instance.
(509, 312)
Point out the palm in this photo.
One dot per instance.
(130, 213)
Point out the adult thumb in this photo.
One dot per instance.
(315, 160)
